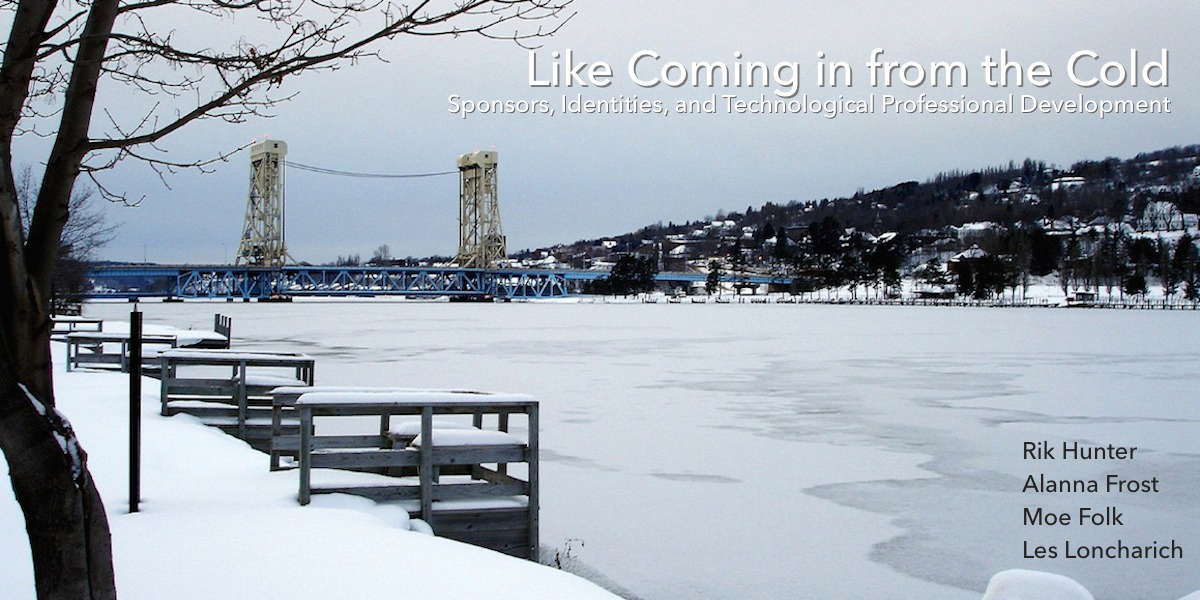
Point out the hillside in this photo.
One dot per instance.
(1108, 223)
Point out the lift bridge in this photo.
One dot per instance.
(230, 282)
(263, 268)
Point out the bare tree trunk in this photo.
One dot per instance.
(64, 516)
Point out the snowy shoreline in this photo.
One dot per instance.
(214, 522)
(640, 373)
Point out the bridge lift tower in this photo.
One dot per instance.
(262, 243)
(481, 242)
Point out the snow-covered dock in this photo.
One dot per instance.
(454, 476)
(215, 523)
(89, 345)
(451, 472)
(229, 389)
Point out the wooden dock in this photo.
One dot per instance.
(230, 389)
(453, 475)
(448, 457)
(89, 346)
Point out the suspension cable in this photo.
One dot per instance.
(325, 171)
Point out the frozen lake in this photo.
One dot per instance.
(771, 451)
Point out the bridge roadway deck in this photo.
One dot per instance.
(223, 281)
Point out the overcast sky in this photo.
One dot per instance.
(566, 177)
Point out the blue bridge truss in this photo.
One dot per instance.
(187, 281)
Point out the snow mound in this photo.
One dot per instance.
(1019, 584)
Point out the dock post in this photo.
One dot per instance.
(305, 453)
(426, 458)
(532, 463)
(135, 410)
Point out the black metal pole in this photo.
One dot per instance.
(135, 410)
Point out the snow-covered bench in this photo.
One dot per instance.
(109, 350)
(230, 389)
(64, 324)
(453, 459)
(285, 442)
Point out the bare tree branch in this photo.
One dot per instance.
(56, 56)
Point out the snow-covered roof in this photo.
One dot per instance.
(971, 253)
(977, 226)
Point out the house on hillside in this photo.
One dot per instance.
(1067, 182)
(1161, 216)
(972, 253)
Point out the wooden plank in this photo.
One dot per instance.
(226, 358)
(376, 493)
(352, 410)
(203, 387)
(398, 405)
(334, 459)
(305, 455)
(292, 442)
(464, 491)
(452, 491)
(490, 476)
(534, 493)
(98, 359)
(504, 519)
(201, 412)
(502, 423)
(253, 434)
(262, 391)
(167, 374)
(426, 463)
(437, 456)
(474, 455)
(277, 434)
(241, 397)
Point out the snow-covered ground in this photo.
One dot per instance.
(763, 451)
(215, 523)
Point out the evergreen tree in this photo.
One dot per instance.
(1135, 284)
(1168, 276)
(783, 250)
(712, 283)
(631, 275)
(1045, 252)
(1184, 264)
